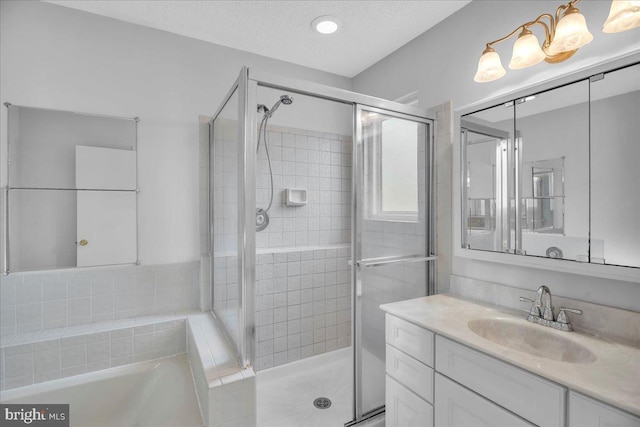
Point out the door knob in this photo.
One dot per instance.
(83, 242)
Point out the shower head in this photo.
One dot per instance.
(284, 99)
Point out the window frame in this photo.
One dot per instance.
(373, 182)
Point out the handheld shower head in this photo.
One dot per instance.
(284, 99)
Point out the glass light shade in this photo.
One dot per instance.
(571, 33)
(526, 52)
(623, 16)
(489, 67)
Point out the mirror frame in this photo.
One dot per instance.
(627, 274)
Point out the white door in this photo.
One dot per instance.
(106, 227)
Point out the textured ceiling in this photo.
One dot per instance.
(282, 29)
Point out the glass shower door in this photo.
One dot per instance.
(392, 235)
(232, 247)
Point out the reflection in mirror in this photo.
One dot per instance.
(615, 171)
(42, 144)
(571, 172)
(72, 190)
(487, 143)
(543, 196)
(52, 229)
(553, 130)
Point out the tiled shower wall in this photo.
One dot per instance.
(303, 304)
(37, 301)
(315, 161)
(303, 297)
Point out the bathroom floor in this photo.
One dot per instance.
(285, 394)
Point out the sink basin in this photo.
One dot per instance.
(531, 339)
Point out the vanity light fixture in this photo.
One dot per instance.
(325, 24)
(563, 36)
(623, 16)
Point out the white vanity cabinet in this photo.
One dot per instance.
(587, 412)
(435, 381)
(441, 372)
(409, 374)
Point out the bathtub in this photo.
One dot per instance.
(155, 393)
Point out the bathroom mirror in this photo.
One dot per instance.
(488, 138)
(615, 169)
(554, 173)
(72, 190)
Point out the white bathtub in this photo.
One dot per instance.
(155, 393)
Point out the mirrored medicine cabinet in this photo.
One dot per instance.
(71, 193)
(556, 173)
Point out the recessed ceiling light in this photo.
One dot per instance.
(325, 24)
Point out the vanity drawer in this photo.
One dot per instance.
(587, 412)
(458, 407)
(508, 386)
(417, 342)
(403, 408)
(411, 373)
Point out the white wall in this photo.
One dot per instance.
(440, 64)
(60, 58)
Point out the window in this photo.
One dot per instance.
(392, 160)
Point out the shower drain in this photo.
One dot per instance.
(322, 403)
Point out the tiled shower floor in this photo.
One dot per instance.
(285, 394)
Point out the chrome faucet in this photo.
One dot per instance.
(541, 311)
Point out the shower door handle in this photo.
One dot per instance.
(375, 262)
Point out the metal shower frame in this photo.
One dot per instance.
(247, 86)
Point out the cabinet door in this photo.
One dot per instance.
(404, 408)
(456, 406)
(508, 386)
(587, 412)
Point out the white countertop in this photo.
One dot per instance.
(613, 378)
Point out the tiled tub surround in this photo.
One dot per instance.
(78, 350)
(36, 301)
(303, 304)
(226, 392)
(158, 393)
(315, 161)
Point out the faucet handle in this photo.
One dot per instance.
(562, 315)
(535, 309)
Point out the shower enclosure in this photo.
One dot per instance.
(295, 196)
